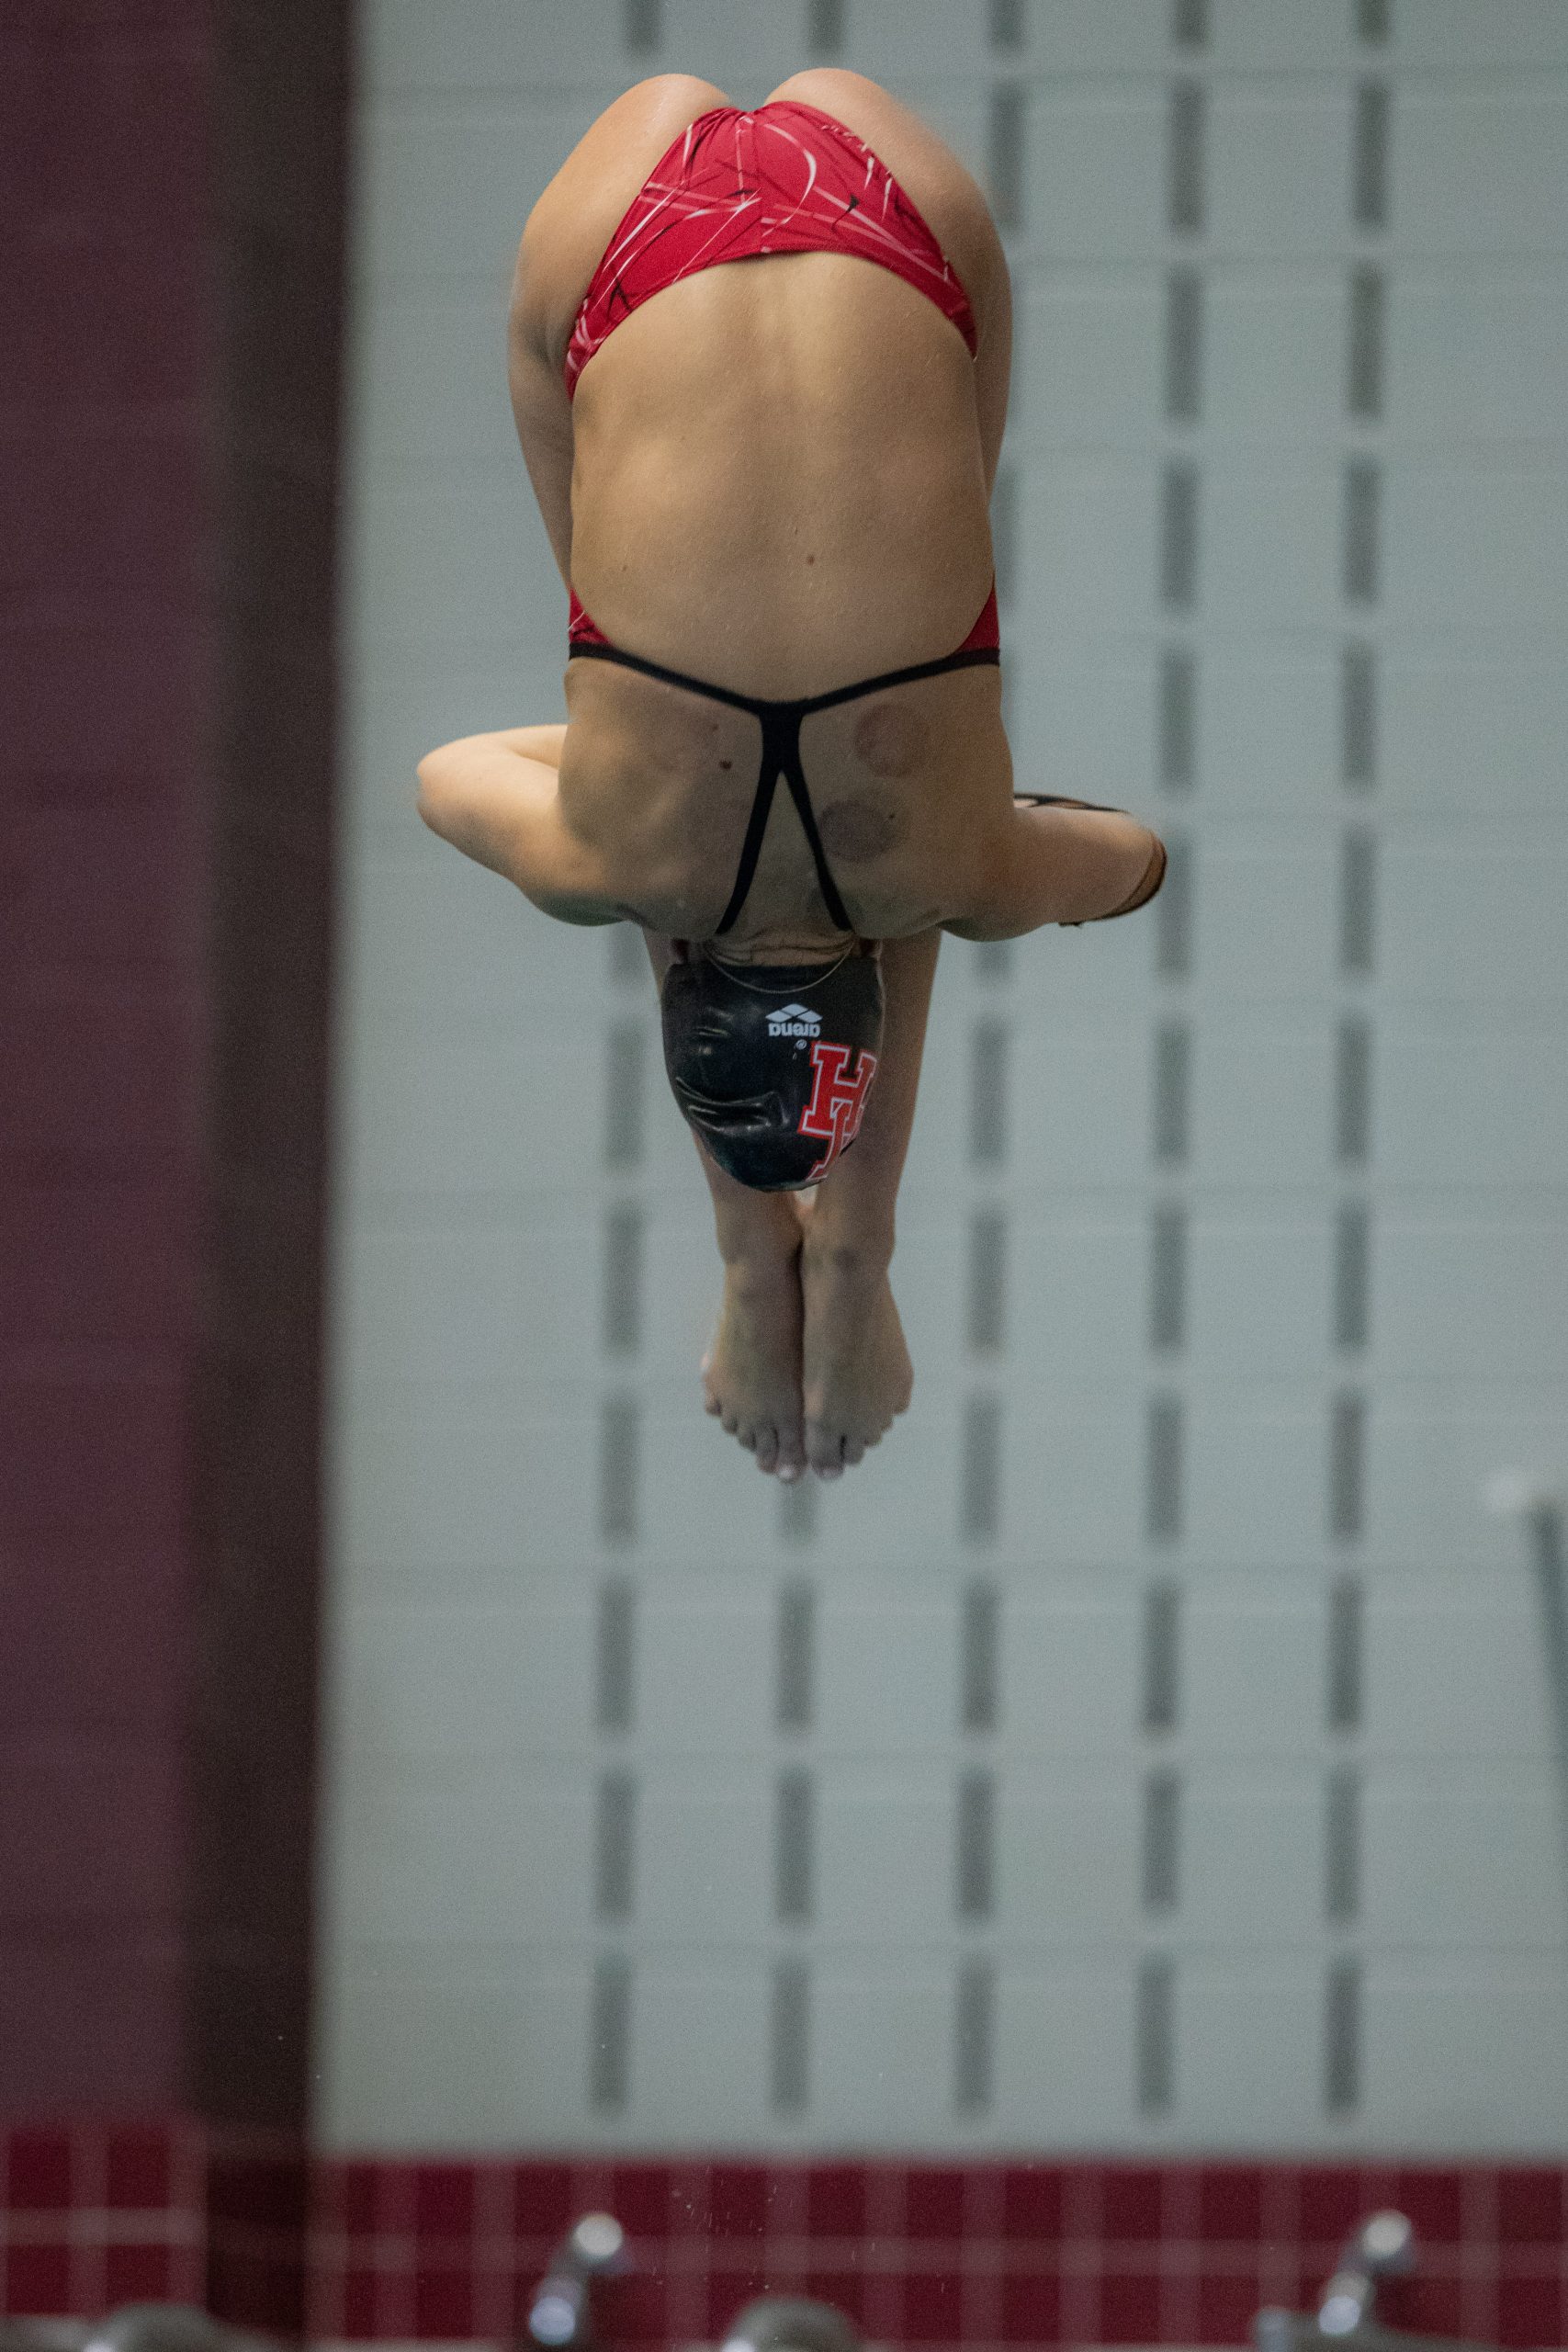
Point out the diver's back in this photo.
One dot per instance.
(778, 482)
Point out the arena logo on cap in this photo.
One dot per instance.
(794, 1020)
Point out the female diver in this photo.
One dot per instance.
(766, 488)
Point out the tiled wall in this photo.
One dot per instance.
(972, 2253)
(95, 2218)
(1148, 1749)
(99, 2213)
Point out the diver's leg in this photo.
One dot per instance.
(752, 1374)
(856, 1369)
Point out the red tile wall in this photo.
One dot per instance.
(94, 2214)
(101, 2215)
(974, 2255)
(981, 2253)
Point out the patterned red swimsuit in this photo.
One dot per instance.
(784, 179)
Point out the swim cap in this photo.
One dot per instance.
(771, 1063)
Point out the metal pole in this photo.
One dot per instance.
(1550, 1559)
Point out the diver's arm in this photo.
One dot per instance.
(497, 799)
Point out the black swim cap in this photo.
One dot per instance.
(771, 1063)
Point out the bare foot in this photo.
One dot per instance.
(751, 1372)
(858, 1372)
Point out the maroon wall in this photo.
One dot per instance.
(170, 177)
(279, 180)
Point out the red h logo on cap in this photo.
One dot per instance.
(837, 1102)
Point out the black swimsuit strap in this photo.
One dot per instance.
(794, 778)
(756, 826)
(801, 705)
(780, 722)
(671, 677)
(972, 657)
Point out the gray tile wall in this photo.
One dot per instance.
(1148, 1745)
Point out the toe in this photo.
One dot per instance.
(767, 1449)
(730, 1423)
(747, 1436)
(854, 1450)
(824, 1453)
(823, 1449)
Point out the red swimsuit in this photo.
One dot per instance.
(736, 185)
(784, 179)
